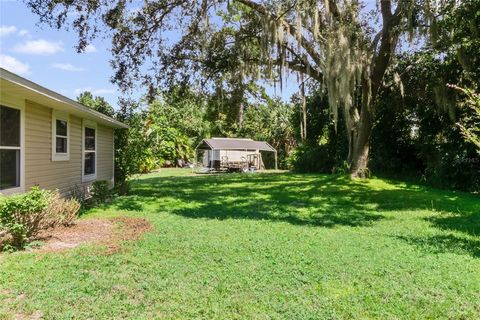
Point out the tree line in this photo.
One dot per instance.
(362, 63)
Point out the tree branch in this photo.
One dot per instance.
(300, 66)
(304, 43)
(387, 44)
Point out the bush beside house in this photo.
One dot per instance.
(23, 216)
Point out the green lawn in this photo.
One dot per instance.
(262, 246)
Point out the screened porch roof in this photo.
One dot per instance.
(234, 144)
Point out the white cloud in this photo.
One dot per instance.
(103, 91)
(23, 33)
(7, 30)
(90, 49)
(97, 92)
(14, 65)
(39, 47)
(67, 67)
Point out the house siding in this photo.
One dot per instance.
(62, 175)
(105, 153)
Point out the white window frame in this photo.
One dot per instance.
(91, 125)
(16, 103)
(58, 115)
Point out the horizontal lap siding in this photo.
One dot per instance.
(104, 153)
(63, 175)
(39, 167)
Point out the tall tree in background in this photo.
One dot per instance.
(337, 44)
(97, 103)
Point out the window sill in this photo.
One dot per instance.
(61, 157)
(89, 178)
(10, 191)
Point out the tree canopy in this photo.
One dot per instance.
(97, 103)
(348, 49)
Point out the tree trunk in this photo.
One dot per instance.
(361, 144)
(363, 131)
(240, 115)
(303, 121)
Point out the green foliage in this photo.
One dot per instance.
(132, 146)
(342, 169)
(225, 47)
(458, 35)
(175, 124)
(101, 191)
(416, 138)
(182, 109)
(23, 216)
(271, 122)
(97, 103)
(168, 129)
(168, 143)
(470, 127)
(325, 148)
(268, 246)
(310, 158)
(416, 133)
(149, 162)
(77, 193)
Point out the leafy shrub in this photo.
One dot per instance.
(78, 193)
(61, 211)
(101, 191)
(343, 168)
(312, 158)
(23, 216)
(148, 163)
(416, 136)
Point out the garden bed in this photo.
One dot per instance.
(107, 232)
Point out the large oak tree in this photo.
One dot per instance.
(346, 46)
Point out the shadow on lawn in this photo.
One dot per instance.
(269, 211)
(467, 237)
(315, 200)
(468, 223)
(130, 203)
(255, 197)
(445, 243)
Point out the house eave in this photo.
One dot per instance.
(11, 82)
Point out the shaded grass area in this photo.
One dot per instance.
(273, 245)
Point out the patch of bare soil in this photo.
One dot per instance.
(107, 232)
(37, 315)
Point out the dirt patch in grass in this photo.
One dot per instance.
(106, 232)
(37, 315)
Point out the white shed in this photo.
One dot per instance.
(233, 153)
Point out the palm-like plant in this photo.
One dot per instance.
(470, 126)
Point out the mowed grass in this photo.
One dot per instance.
(265, 246)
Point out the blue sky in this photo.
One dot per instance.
(47, 56)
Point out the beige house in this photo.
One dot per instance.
(51, 141)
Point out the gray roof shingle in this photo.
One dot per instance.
(234, 144)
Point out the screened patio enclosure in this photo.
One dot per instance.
(233, 154)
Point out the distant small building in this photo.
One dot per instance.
(233, 154)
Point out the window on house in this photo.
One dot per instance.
(89, 151)
(60, 136)
(9, 148)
